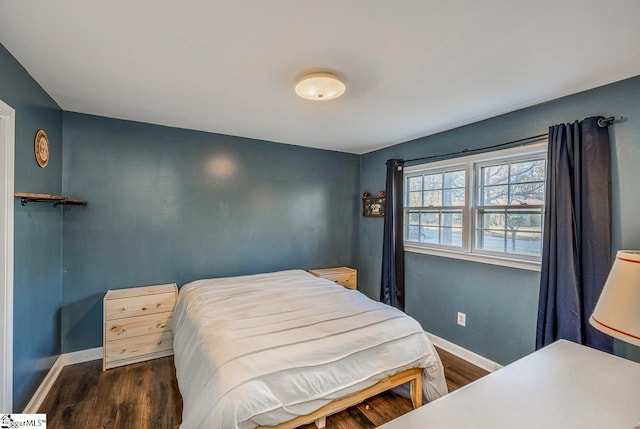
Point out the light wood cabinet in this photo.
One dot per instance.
(344, 276)
(136, 324)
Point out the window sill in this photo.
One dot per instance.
(485, 259)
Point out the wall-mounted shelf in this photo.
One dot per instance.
(48, 198)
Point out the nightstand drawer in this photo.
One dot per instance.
(346, 280)
(139, 305)
(344, 276)
(128, 327)
(143, 347)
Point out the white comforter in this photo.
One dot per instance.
(263, 349)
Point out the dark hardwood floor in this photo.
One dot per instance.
(142, 395)
(459, 372)
(145, 395)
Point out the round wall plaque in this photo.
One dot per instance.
(41, 148)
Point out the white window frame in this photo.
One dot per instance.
(471, 163)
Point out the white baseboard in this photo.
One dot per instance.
(461, 352)
(36, 400)
(81, 356)
(63, 360)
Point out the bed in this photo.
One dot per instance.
(273, 349)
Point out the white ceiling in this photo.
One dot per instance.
(412, 68)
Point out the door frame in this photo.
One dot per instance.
(7, 160)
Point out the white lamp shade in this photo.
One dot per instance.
(617, 312)
(320, 87)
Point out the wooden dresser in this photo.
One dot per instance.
(136, 324)
(347, 277)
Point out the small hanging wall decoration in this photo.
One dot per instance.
(41, 148)
(373, 206)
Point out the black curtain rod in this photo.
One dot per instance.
(602, 122)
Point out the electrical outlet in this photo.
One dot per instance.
(462, 319)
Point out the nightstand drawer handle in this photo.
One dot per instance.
(159, 342)
(160, 325)
(124, 308)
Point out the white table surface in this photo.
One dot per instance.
(563, 385)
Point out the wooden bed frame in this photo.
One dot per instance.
(319, 416)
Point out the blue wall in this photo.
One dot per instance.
(501, 303)
(38, 232)
(172, 205)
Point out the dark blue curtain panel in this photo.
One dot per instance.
(576, 254)
(392, 280)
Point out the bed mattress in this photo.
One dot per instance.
(263, 349)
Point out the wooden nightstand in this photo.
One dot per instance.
(136, 324)
(347, 277)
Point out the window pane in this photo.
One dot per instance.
(413, 233)
(414, 218)
(415, 199)
(452, 218)
(430, 218)
(452, 236)
(453, 197)
(494, 195)
(433, 181)
(524, 243)
(529, 171)
(432, 198)
(454, 179)
(495, 175)
(429, 235)
(415, 183)
(490, 240)
(491, 219)
(528, 193)
(524, 221)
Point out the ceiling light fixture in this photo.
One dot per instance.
(320, 87)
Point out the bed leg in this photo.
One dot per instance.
(416, 391)
(321, 422)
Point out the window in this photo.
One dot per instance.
(486, 207)
(435, 207)
(509, 210)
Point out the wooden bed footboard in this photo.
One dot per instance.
(319, 416)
